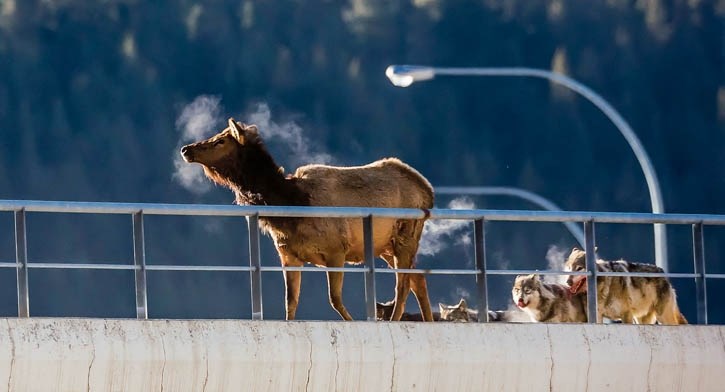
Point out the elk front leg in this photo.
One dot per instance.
(334, 286)
(292, 281)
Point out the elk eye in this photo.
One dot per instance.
(219, 142)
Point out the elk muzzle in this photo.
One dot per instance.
(187, 152)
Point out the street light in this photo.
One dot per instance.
(531, 197)
(405, 75)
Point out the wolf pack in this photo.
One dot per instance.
(625, 299)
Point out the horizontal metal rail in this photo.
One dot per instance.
(428, 271)
(357, 212)
(478, 216)
(207, 268)
(649, 274)
(32, 265)
(535, 272)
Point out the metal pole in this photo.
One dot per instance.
(531, 197)
(479, 235)
(370, 268)
(139, 260)
(415, 72)
(255, 264)
(698, 251)
(592, 269)
(21, 259)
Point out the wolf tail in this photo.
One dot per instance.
(680, 318)
(671, 314)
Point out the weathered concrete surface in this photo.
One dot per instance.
(212, 355)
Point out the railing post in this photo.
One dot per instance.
(592, 269)
(479, 235)
(21, 259)
(698, 252)
(369, 268)
(139, 260)
(255, 264)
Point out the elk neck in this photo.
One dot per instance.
(259, 181)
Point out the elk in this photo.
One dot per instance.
(237, 158)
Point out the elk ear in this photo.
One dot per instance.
(236, 130)
(251, 128)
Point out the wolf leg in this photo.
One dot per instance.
(628, 318)
(649, 318)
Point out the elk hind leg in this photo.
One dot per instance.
(420, 289)
(402, 288)
(406, 247)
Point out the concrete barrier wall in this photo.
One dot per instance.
(212, 355)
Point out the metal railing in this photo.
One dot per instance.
(253, 213)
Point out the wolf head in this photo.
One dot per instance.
(526, 291)
(457, 312)
(577, 263)
(383, 310)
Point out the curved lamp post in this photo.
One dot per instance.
(405, 75)
(531, 197)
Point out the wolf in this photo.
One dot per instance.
(548, 302)
(631, 299)
(458, 313)
(462, 313)
(383, 311)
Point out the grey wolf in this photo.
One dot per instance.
(632, 299)
(548, 302)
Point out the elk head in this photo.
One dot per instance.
(222, 155)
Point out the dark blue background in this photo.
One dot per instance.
(90, 95)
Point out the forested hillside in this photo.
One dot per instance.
(92, 96)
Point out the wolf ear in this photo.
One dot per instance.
(441, 307)
(236, 130)
(533, 276)
(462, 304)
